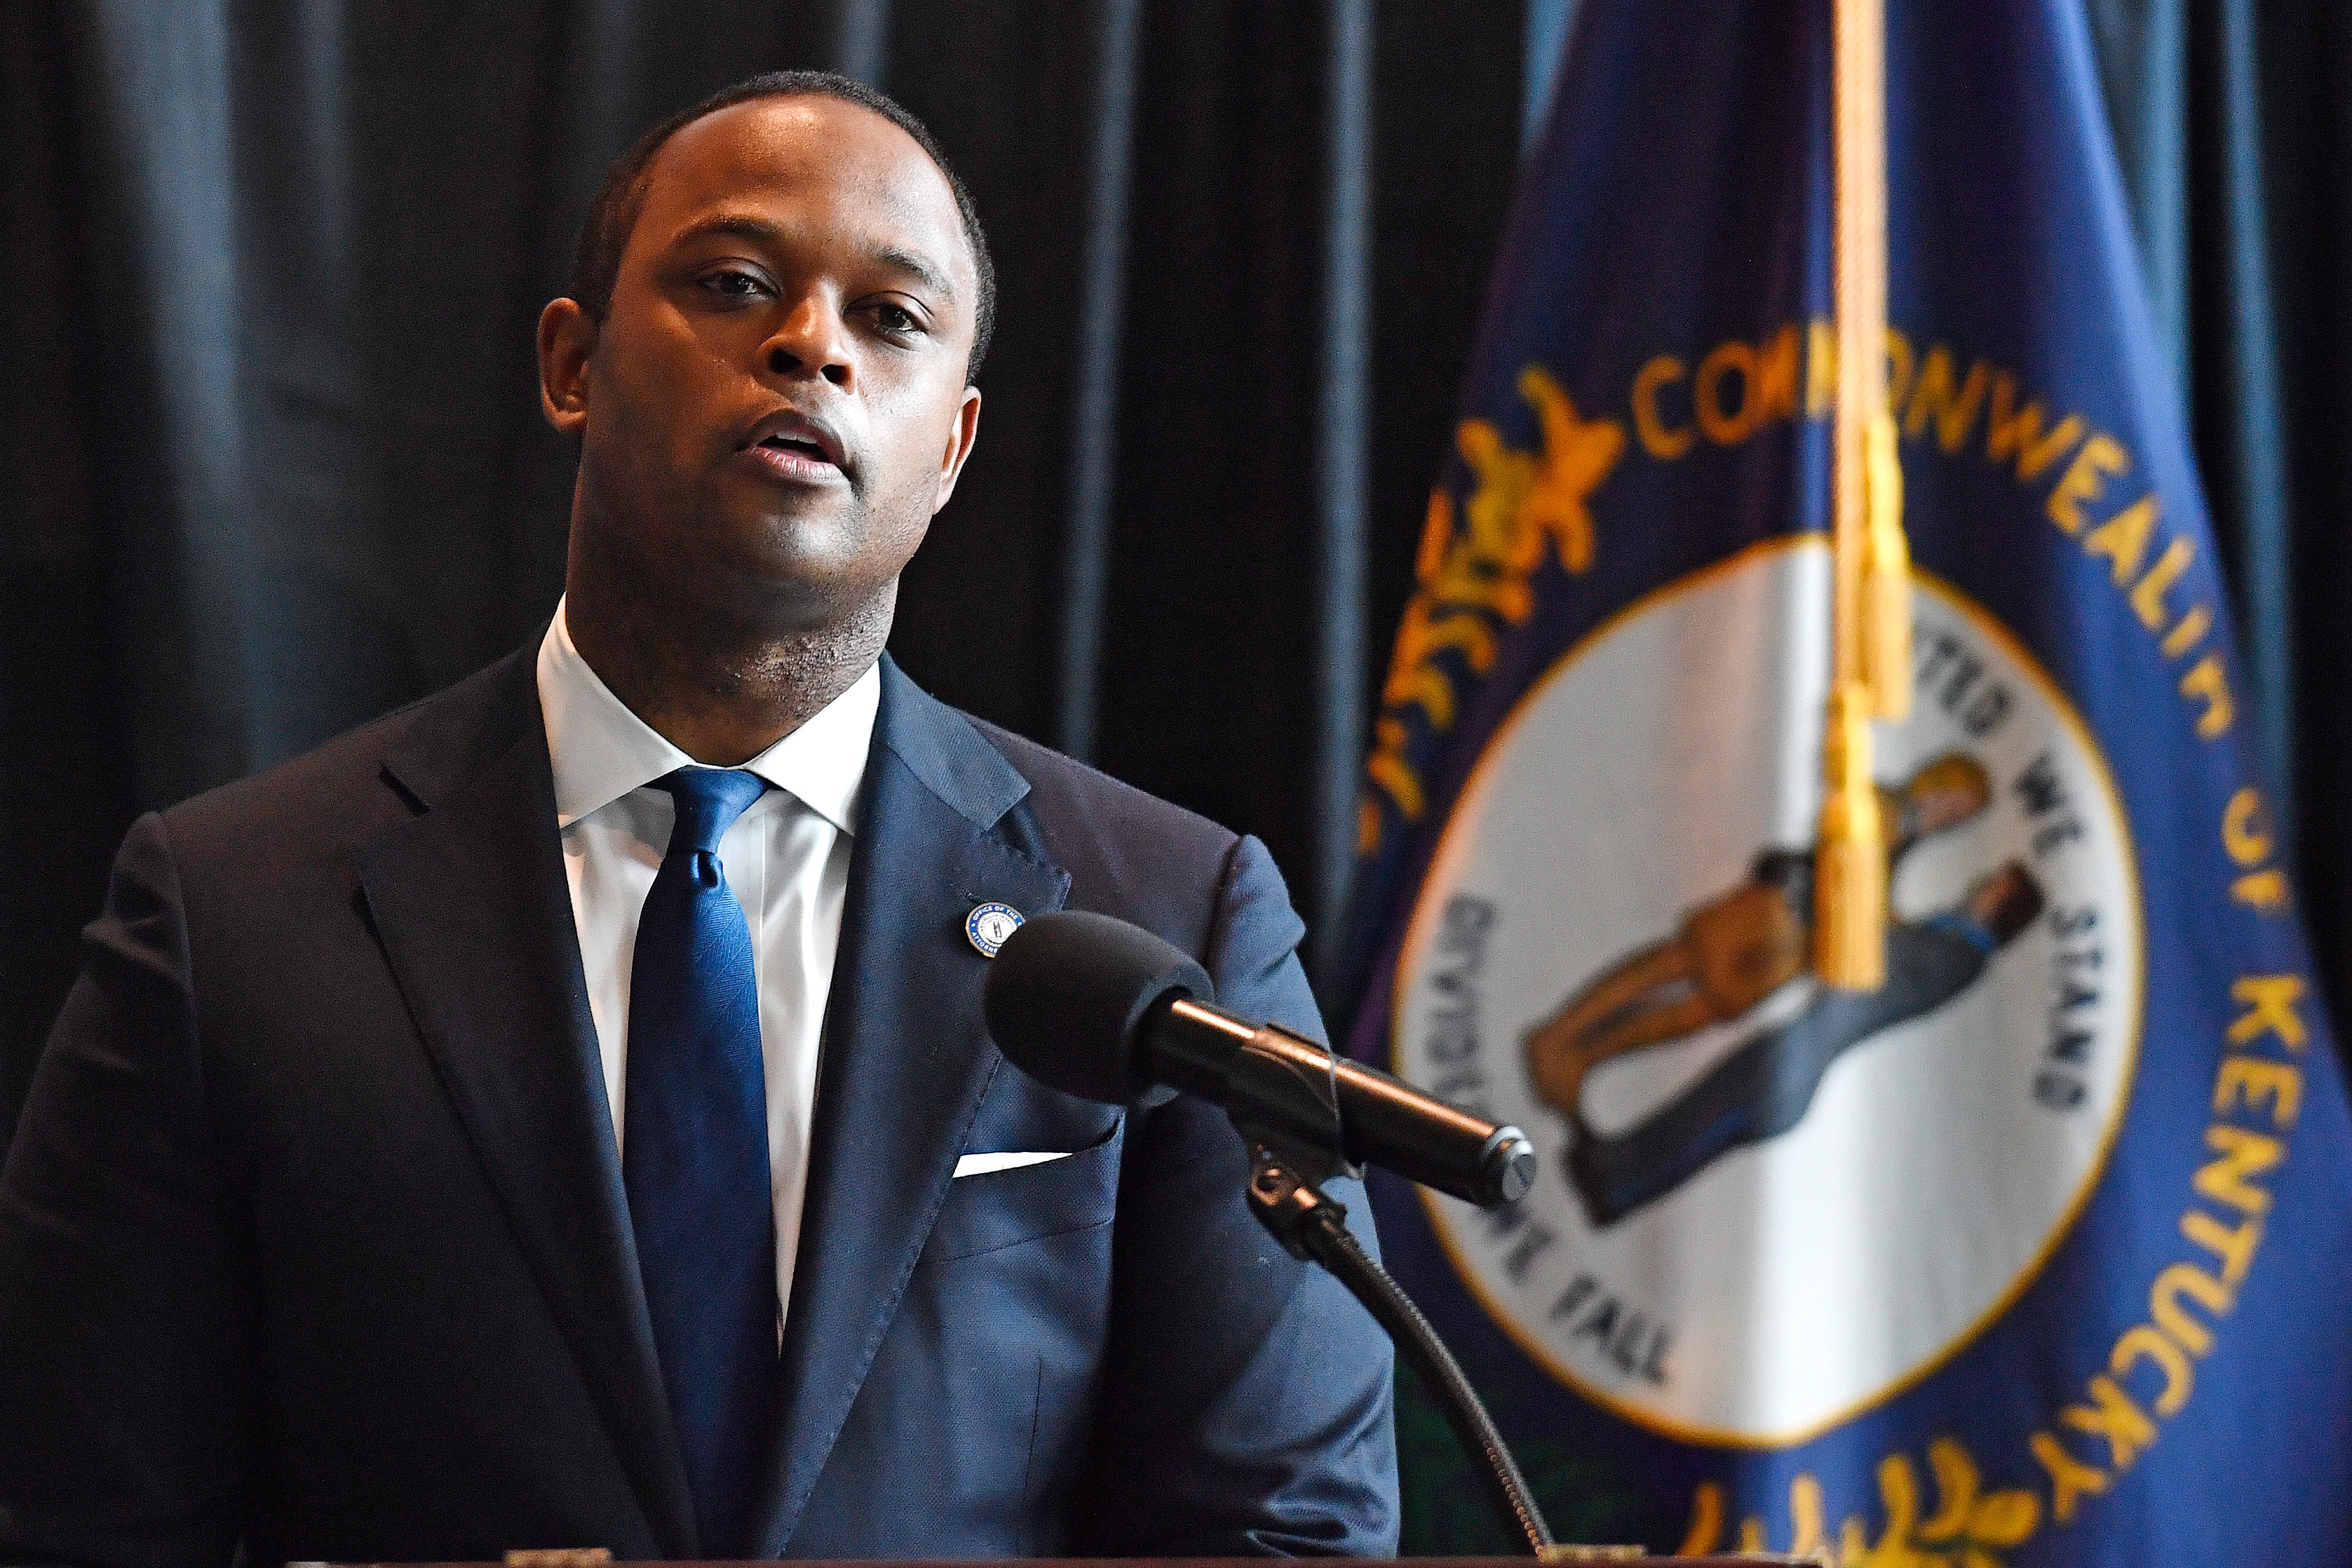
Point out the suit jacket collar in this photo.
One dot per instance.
(471, 901)
(905, 1060)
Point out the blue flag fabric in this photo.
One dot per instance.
(2041, 1253)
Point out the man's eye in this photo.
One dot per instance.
(897, 319)
(732, 284)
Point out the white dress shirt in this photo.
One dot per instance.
(787, 857)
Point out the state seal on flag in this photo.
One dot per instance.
(1766, 1205)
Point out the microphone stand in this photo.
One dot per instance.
(1311, 1226)
(1285, 1193)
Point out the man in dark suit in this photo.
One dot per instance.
(559, 1113)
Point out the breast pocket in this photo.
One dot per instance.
(992, 1210)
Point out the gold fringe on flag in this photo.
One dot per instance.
(1871, 672)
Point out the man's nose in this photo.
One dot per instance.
(812, 340)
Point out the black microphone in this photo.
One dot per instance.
(1105, 1010)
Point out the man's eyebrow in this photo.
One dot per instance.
(740, 226)
(743, 226)
(915, 266)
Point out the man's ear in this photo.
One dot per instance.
(567, 336)
(965, 432)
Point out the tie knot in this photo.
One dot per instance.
(708, 801)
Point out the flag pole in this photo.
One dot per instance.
(1870, 671)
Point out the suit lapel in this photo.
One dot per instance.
(471, 901)
(905, 1060)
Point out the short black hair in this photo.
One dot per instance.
(604, 233)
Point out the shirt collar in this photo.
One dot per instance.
(601, 750)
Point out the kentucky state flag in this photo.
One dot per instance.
(2043, 1253)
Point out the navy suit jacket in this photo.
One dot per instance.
(313, 1237)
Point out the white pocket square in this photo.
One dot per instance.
(1013, 1160)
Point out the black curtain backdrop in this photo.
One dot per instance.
(271, 461)
(2234, 127)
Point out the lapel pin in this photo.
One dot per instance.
(989, 924)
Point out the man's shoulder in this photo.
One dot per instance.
(368, 777)
(1133, 854)
(1069, 797)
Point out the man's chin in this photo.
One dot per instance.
(777, 592)
(753, 560)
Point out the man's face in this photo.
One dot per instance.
(774, 406)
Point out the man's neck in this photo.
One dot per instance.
(722, 702)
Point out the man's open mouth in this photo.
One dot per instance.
(796, 445)
(801, 444)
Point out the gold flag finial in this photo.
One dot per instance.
(1871, 573)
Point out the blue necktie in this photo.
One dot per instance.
(695, 1156)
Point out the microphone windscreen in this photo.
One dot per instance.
(1067, 995)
